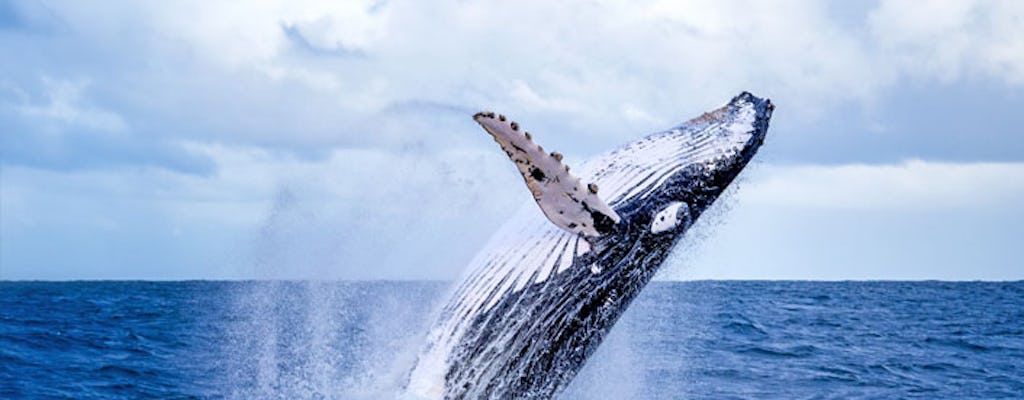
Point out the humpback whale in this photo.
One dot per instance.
(539, 298)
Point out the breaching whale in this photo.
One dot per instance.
(547, 288)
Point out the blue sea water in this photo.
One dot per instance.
(355, 340)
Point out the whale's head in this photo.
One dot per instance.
(662, 183)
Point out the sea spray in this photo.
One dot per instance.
(317, 338)
(334, 340)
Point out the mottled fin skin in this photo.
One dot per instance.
(564, 199)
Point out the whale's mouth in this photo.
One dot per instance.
(746, 123)
(703, 154)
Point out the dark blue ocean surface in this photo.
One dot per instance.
(704, 340)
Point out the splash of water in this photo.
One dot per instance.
(315, 339)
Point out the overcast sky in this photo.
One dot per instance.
(333, 139)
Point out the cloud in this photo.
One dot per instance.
(61, 129)
(356, 213)
(912, 186)
(913, 220)
(296, 36)
(63, 105)
(952, 39)
(198, 114)
(309, 76)
(372, 214)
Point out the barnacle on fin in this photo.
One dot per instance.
(562, 197)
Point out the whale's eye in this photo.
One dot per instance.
(669, 217)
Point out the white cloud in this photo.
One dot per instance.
(915, 220)
(374, 214)
(605, 69)
(951, 39)
(910, 186)
(64, 104)
(358, 213)
(522, 93)
(226, 81)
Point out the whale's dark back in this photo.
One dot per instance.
(538, 301)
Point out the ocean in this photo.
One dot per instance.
(355, 340)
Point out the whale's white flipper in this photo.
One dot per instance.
(561, 196)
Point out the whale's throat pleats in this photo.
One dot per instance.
(563, 197)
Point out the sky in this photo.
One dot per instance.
(334, 139)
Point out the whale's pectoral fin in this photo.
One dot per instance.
(566, 201)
